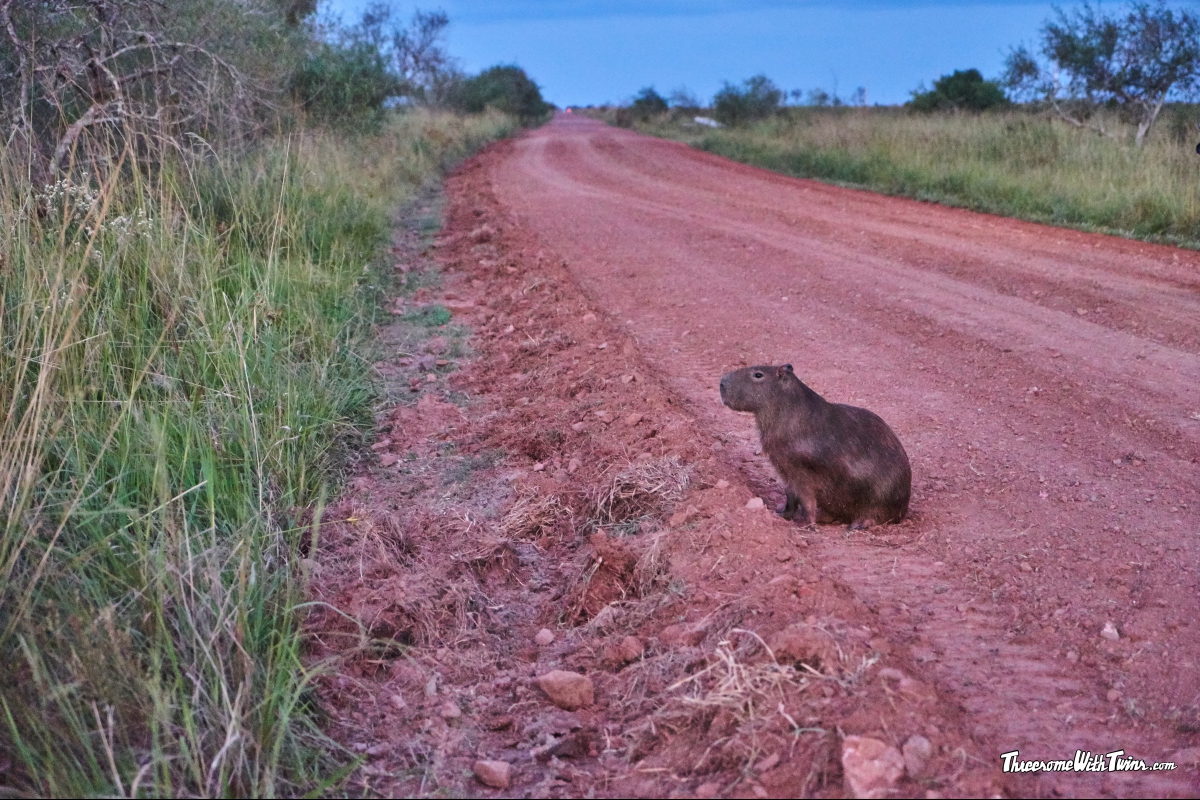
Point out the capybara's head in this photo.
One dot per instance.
(755, 388)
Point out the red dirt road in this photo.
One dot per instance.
(1043, 381)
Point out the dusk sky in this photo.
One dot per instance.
(590, 52)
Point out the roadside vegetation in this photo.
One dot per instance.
(190, 268)
(1016, 163)
(1093, 129)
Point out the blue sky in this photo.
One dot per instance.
(590, 52)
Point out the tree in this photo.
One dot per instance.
(506, 88)
(1133, 62)
(139, 70)
(757, 98)
(962, 89)
(353, 72)
(648, 103)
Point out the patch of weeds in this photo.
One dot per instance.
(462, 469)
(434, 316)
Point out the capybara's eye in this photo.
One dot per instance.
(758, 375)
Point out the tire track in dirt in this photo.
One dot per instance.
(1042, 380)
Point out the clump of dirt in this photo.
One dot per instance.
(536, 501)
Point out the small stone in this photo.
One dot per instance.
(633, 419)
(1025, 567)
(561, 475)
(538, 467)
(544, 637)
(430, 378)
(431, 686)
(626, 379)
(388, 459)
(450, 710)
(722, 484)
(783, 555)
(755, 503)
(917, 751)
(578, 428)
(759, 791)
(1114, 695)
(767, 763)
(567, 690)
(589, 317)
(493, 773)
(483, 233)
(871, 767)
(382, 444)
(679, 635)
(603, 415)
(426, 362)
(1109, 631)
(397, 701)
(1073, 656)
(706, 790)
(573, 465)
(630, 649)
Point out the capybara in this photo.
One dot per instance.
(839, 463)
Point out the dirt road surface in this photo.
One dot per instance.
(1044, 382)
(553, 574)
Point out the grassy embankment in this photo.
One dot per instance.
(1014, 163)
(182, 374)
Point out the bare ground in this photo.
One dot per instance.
(569, 466)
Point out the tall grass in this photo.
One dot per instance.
(1015, 163)
(181, 377)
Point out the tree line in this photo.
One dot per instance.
(1088, 58)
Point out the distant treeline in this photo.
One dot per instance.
(1091, 62)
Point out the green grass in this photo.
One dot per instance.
(182, 373)
(1015, 163)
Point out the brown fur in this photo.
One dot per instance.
(839, 463)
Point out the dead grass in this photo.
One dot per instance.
(534, 515)
(640, 488)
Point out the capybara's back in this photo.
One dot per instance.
(838, 463)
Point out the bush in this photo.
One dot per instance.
(963, 89)
(758, 98)
(648, 103)
(345, 84)
(505, 88)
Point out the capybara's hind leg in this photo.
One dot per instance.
(801, 508)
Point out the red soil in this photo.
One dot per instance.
(1042, 380)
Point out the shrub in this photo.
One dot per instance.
(648, 102)
(345, 84)
(757, 98)
(505, 88)
(963, 89)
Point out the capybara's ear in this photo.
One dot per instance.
(786, 369)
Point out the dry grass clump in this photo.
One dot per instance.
(737, 695)
(533, 515)
(639, 489)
